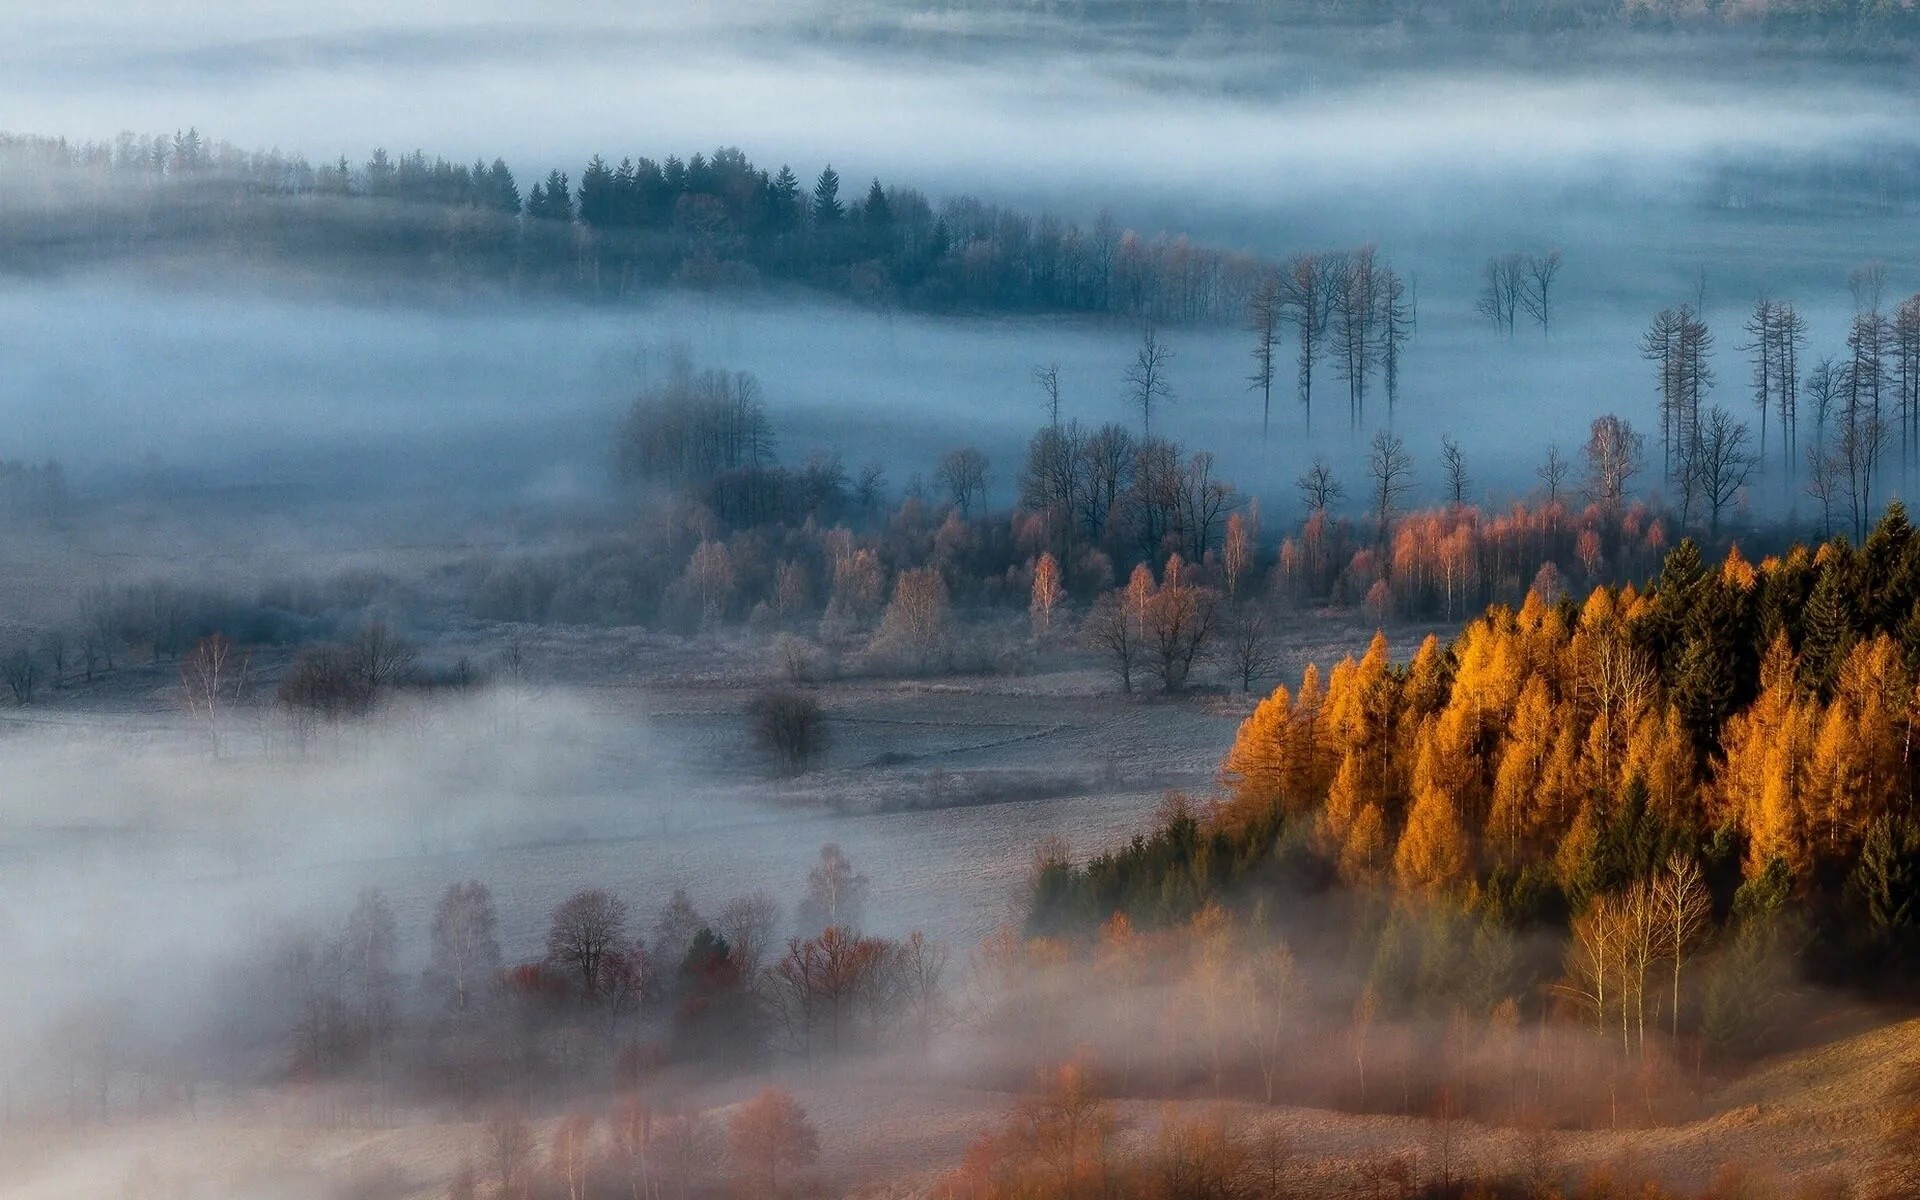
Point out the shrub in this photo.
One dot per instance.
(789, 726)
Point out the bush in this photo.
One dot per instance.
(790, 727)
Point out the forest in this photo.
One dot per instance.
(706, 221)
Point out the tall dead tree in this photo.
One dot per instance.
(1307, 291)
(1355, 305)
(1264, 311)
(1763, 328)
(1454, 461)
(1790, 338)
(1906, 355)
(1396, 324)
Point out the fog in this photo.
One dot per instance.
(492, 407)
(240, 427)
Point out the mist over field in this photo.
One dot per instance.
(553, 644)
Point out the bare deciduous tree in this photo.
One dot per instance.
(914, 629)
(465, 951)
(1146, 376)
(1318, 488)
(209, 676)
(963, 472)
(380, 656)
(748, 923)
(1724, 464)
(22, 669)
(1113, 633)
(1251, 651)
(1264, 311)
(836, 894)
(1536, 288)
(1613, 458)
(1684, 910)
(1454, 461)
(1503, 281)
(1048, 377)
(790, 726)
(1553, 473)
(1046, 595)
(587, 927)
(1391, 469)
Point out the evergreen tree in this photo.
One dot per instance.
(826, 207)
(502, 193)
(597, 197)
(1826, 627)
(783, 199)
(1885, 892)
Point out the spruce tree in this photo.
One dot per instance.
(1826, 628)
(827, 209)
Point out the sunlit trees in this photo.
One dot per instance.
(1179, 621)
(915, 628)
(1045, 595)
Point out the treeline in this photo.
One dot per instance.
(614, 1000)
(623, 228)
(1859, 24)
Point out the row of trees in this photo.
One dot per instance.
(1856, 403)
(705, 220)
(606, 1000)
(1348, 305)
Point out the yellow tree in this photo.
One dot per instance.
(1263, 770)
(1048, 592)
(1660, 755)
(1515, 812)
(1432, 855)
(1363, 856)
